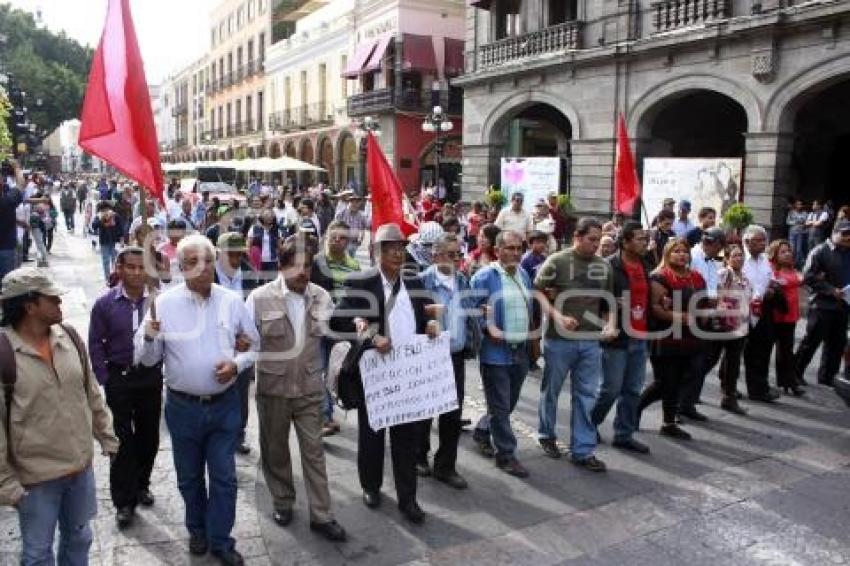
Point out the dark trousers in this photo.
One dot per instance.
(243, 384)
(786, 368)
(448, 424)
(709, 355)
(730, 365)
(135, 413)
(404, 442)
(48, 238)
(69, 219)
(672, 374)
(829, 327)
(757, 357)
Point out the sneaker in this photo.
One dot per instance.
(512, 467)
(693, 414)
(591, 463)
(631, 445)
(485, 446)
(550, 447)
(674, 431)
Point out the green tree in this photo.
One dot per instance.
(49, 67)
(5, 134)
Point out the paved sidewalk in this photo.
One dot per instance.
(769, 488)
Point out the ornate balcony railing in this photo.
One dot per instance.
(554, 39)
(669, 15)
(319, 114)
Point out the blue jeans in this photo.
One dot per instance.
(71, 502)
(107, 258)
(798, 244)
(582, 360)
(8, 261)
(502, 386)
(205, 436)
(624, 371)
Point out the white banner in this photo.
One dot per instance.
(714, 182)
(534, 177)
(413, 382)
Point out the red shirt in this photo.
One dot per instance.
(791, 283)
(475, 221)
(639, 295)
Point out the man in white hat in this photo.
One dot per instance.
(401, 313)
(49, 394)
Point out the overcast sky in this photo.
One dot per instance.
(172, 33)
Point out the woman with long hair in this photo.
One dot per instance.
(674, 350)
(781, 257)
(734, 293)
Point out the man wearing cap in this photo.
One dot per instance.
(704, 260)
(234, 272)
(358, 224)
(291, 316)
(683, 224)
(395, 306)
(51, 415)
(826, 274)
(514, 218)
(133, 393)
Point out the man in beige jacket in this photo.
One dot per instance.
(52, 410)
(291, 315)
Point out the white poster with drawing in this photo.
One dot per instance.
(413, 382)
(714, 182)
(534, 177)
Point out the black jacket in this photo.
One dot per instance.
(822, 275)
(621, 285)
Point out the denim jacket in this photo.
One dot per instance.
(456, 300)
(487, 289)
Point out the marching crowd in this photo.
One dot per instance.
(205, 295)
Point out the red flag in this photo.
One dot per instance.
(626, 182)
(117, 119)
(386, 191)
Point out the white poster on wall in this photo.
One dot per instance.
(534, 177)
(413, 382)
(714, 182)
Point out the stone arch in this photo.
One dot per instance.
(306, 150)
(274, 150)
(347, 157)
(325, 158)
(788, 97)
(649, 104)
(290, 150)
(515, 104)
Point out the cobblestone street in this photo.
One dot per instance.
(769, 488)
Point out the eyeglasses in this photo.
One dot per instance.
(394, 247)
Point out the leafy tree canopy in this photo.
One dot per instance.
(47, 66)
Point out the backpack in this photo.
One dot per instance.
(9, 372)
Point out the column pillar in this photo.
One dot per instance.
(481, 168)
(766, 176)
(591, 170)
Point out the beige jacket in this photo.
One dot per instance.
(287, 367)
(54, 416)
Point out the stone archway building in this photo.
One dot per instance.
(768, 58)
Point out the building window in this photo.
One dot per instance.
(263, 6)
(249, 110)
(251, 51)
(507, 19)
(252, 9)
(261, 47)
(240, 17)
(343, 64)
(562, 11)
(259, 109)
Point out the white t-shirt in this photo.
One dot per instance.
(516, 221)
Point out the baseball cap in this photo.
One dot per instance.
(231, 242)
(713, 235)
(684, 204)
(668, 201)
(29, 280)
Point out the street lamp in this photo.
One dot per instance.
(367, 126)
(437, 122)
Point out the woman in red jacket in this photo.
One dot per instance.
(781, 257)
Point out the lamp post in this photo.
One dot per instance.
(437, 122)
(367, 126)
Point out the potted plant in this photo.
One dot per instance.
(495, 198)
(736, 219)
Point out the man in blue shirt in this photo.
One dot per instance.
(536, 255)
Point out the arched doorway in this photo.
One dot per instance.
(308, 155)
(290, 151)
(708, 129)
(821, 129)
(348, 159)
(450, 165)
(274, 151)
(325, 160)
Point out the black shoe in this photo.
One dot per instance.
(197, 546)
(484, 445)
(145, 498)
(794, 390)
(372, 499)
(452, 479)
(599, 439)
(423, 470)
(124, 517)
(674, 431)
(229, 557)
(739, 395)
(550, 447)
(282, 516)
(731, 404)
(591, 463)
(769, 397)
(827, 382)
(631, 445)
(512, 467)
(243, 448)
(693, 414)
(330, 530)
(412, 512)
